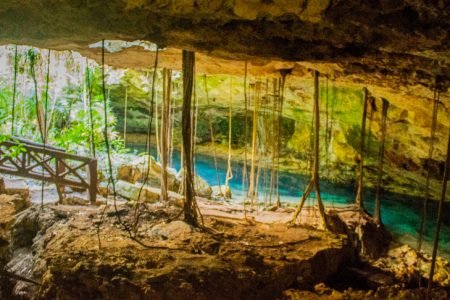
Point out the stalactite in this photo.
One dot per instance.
(359, 200)
(165, 132)
(377, 213)
(315, 181)
(439, 220)
(191, 212)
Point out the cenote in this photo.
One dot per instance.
(400, 214)
(325, 123)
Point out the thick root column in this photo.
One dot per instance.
(315, 181)
(165, 132)
(190, 206)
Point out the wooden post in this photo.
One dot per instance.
(60, 168)
(93, 181)
(359, 200)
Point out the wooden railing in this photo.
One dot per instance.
(49, 164)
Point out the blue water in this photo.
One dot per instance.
(400, 214)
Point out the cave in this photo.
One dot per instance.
(191, 149)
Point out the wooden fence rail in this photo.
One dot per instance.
(49, 164)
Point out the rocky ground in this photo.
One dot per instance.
(84, 252)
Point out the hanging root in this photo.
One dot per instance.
(314, 183)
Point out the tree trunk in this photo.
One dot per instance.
(359, 200)
(314, 182)
(377, 213)
(165, 132)
(439, 219)
(190, 206)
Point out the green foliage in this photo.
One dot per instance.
(12, 151)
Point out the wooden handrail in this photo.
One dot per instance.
(28, 142)
(49, 164)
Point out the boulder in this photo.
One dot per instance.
(202, 188)
(10, 205)
(131, 192)
(135, 171)
(17, 187)
(176, 230)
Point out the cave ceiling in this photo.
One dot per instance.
(398, 48)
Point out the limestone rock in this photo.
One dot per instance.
(131, 192)
(135, 171)
(202, 188)
(10, 205)
(173, 230)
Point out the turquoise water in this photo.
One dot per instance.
(400, 214)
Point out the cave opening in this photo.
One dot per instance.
(224, 150)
